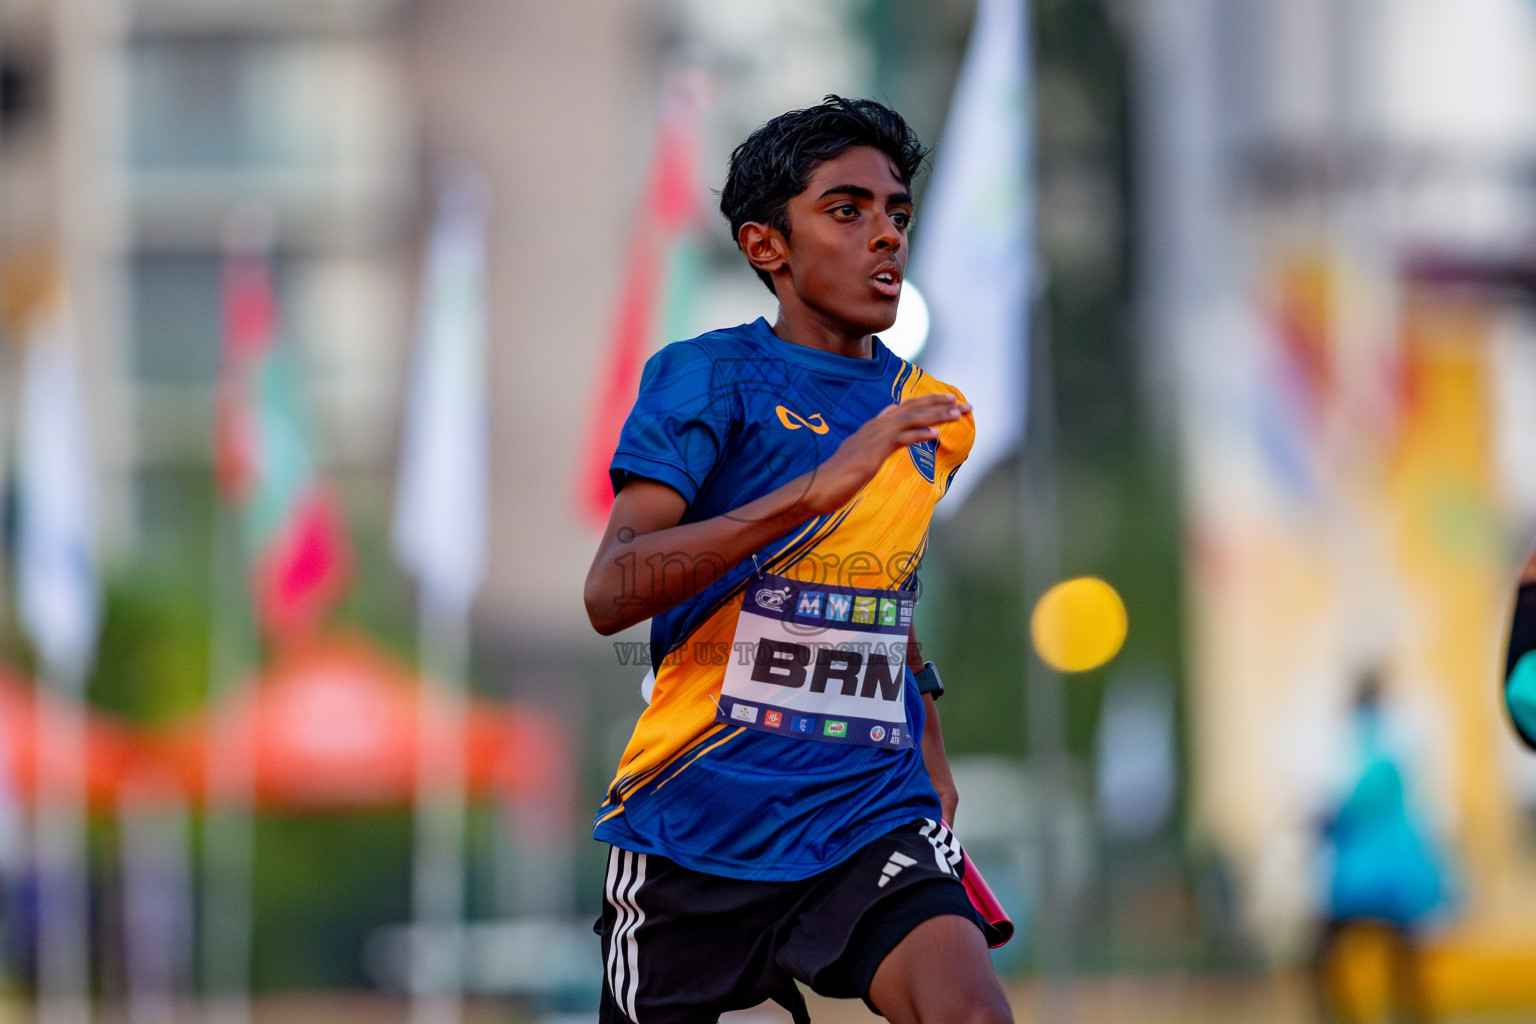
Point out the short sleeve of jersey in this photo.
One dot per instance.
(678, 427)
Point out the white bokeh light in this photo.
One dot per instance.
(910, 331)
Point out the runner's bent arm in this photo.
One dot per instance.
(934, 756)
(645, 529)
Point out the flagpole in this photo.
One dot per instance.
(228, 803)
(63, 892)
(439, 534)
(437, 979)
(154, 846)
(1044, 692)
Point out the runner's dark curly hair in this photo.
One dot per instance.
(775, 163)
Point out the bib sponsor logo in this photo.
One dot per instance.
(877, 733)
(835, 728)
(838, 607)
(814, 423)
(810, 604)
(772, 719)
(895, 735)
(864, 610)
(773, 600)
(888, 611)
(744, 712)
(803, 725)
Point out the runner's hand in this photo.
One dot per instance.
(863, 452)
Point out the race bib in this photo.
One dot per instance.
(820, 663)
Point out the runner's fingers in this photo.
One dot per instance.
(933, 412)
(915, 435)
(938, 399)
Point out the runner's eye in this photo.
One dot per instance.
(902, 219)
(845, 211)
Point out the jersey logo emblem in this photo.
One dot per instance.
(794, 421)
(923, 455)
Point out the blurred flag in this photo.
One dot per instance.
(439, 529)
(291, 521)
(57, 588)
(1294, 388)
(656, 295)
(154, 844)
(974, 249)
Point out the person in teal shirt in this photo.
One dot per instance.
(1385, 869)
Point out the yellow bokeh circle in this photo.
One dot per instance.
(1078, 624)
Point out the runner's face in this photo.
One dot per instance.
(848, 241)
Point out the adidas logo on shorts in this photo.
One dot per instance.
(893, 867)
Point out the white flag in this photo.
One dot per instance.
(975, 243)
(439, 528)
(57, 591)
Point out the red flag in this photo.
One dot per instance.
(668, 212)
(304, 569)
(250, 320)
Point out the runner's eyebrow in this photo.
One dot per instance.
(860, 192)
(856, 191)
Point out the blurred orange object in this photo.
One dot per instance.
(112, 747)
(335, 725)
(331, 726)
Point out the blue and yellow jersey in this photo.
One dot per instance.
(723, 419)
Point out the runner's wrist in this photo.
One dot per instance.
(928, 681)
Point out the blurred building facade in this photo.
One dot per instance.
(1327, 190)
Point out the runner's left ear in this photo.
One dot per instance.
(763, 245)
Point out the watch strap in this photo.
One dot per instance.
(928, 680)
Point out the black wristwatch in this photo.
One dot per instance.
(928, 680)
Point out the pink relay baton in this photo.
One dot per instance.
(980, 894)
(985, 903)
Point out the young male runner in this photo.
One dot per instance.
(777, 815)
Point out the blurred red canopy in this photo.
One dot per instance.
(333, 726)
(336, 725)
(112, 748)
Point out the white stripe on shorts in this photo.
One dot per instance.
(618, 860)
(626, 873)
(631, 943)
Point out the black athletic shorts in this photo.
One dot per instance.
(683, 947)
